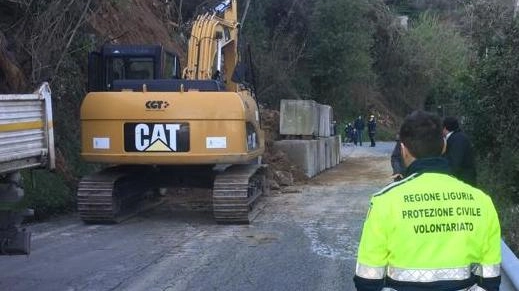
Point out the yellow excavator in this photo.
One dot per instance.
(156, 126)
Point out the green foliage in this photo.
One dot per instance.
(68, 90)
(413, 8)
(277, 33)
(496, 98)
(343, 53)
(498, 178)
(488, 21)
(440, 55)
(339, 56)
(491, 106)
(46, 193)
(385, 134)
(54, 193)
(404, 7)
(424, 66)
(495, 91)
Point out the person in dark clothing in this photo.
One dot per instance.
(372, 128)
(397, 164)
(359, 126)
(348, 132)
(459, 151)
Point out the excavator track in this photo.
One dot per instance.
(117, 193)
(235, 193)
(108, 196)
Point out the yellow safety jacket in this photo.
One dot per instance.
(429, 231)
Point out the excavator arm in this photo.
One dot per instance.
(213, 47)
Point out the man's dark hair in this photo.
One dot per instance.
(451, 123)
(421, 133)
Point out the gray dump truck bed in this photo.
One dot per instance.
(26, 133)
(26, 142)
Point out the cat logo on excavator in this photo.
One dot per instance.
(152, 137)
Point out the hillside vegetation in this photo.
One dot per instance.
(454, 57)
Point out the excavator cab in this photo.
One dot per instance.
(130, 62)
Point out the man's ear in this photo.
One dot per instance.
(403, 150)
(407, 157)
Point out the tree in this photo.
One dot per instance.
(495, 34)
(339, 60)
(494, 99)
(423, 66)
(277, 32)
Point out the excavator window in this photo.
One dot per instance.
(127, 64)
(140, 69)
(117, 72)
(128, 68)
(171, 66)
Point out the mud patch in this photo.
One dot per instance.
(253, 238)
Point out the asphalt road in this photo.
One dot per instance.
(305, 238)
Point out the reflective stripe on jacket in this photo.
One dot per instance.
(429, 228)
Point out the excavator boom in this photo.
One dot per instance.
(213, 47)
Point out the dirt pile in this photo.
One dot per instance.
(136, 22)
(278, 161)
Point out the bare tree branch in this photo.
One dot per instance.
(78, 24)
(242, 22)
(56, 24)
(180, 13)
(21, 2)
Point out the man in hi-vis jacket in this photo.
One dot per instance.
(429, 231)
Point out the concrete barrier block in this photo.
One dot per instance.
(322, 154)
(299, 117)
(338, 148)
(302, 153)
(325, 120)
(329, 149)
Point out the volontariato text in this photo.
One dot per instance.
(437, 217)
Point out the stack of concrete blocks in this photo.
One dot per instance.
(316, 150)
